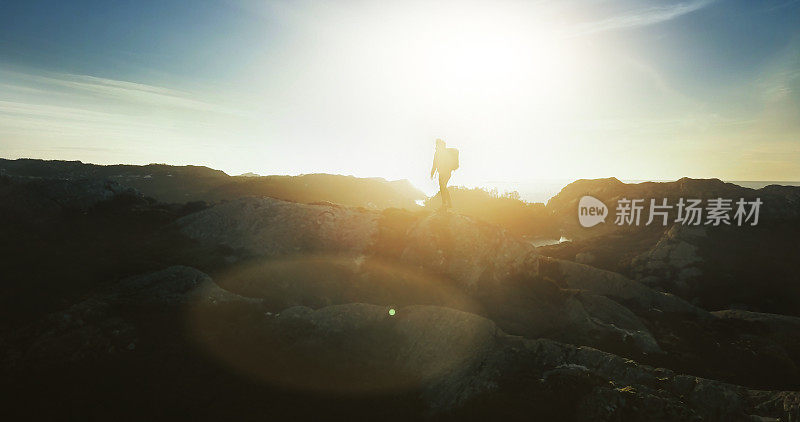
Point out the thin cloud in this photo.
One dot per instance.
(128, 92)
(39, 107)
(25, 119)
(52, 111)
(640, 18)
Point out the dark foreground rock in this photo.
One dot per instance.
(463, 363)
(437, 362)
(296, 322)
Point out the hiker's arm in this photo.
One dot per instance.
(433, 168)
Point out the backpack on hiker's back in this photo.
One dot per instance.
(451, 158)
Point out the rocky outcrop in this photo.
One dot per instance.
(98, 326)
(779, 202)
(36, 203)
(173, 286)
(783, 343)
(450, 260)
(446, 259)
(458, 358)
(270, 227)
(610, 284)
(466, 250)
(319, 309)
(459, 363)
(674, 260)
(715, 267)
(179, 184)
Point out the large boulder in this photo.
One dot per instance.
(617, 286)
(674, 260)
(466, 250)
(270, 227)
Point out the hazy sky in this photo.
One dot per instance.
(526, 90)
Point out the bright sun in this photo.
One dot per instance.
(475, 56)
(490, 78)
(477, 69)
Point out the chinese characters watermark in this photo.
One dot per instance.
(687, 212)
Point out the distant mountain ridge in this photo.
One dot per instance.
(179, 184)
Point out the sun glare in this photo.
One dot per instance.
(475, 58)
(480, 75)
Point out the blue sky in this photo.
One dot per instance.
(527, 90)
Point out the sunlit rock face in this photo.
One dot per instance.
(269, 227)
(468, 251)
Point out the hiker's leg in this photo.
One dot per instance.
(443, 179)
(442, 190)
(449, 200)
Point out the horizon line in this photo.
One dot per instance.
(624, 180)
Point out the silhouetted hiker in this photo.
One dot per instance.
(445, 160)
